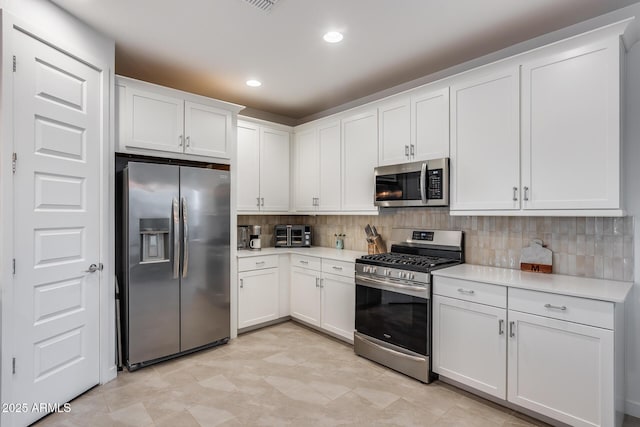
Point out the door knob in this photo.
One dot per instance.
(94, 267)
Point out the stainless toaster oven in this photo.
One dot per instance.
(292, 236)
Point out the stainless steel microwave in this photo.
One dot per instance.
(423, 183)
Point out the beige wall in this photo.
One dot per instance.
(590, 247)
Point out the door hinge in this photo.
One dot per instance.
(14, 63)
(14, 266)
(14, 160)
(13, 365)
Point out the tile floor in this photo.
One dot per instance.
(284, 375)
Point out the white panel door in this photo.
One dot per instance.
(470, 344)
(359, 158)
(57, 110)
(394, 124)
(153, 121)
(430, 124)
(485, 141)
(207, 130)
(338, 304)
(248, 165)
(571, 129)
(330, 175)
(307, 170)
(561, 369)
(274, 170)
(258, 296)
(305, 295)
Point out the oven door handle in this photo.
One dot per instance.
(423, 183)
(383, 284)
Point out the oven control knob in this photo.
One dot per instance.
(411, 276)
(387, 272)
(402, 274)
(374, 269)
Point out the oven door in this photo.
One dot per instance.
(394, 314)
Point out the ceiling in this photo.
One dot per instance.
(212, 47)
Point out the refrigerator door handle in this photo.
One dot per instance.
(185, 239)
(175, 217)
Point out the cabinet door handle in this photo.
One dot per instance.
(188, 141)
(515, 194)
(261, 201)
(180, 141)
(321, 283)
(406, 150)
(556, 307)
(242, 283)
(317, 284)
(512, 329)
(526, 194)
(258, 201)
(466, 291)
(413, 151)
(501, 327)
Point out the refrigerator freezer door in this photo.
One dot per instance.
(152, 291)
(204, 299)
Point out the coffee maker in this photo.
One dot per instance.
(249, 236)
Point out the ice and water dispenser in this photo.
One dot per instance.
(154, 240)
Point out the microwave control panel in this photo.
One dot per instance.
(434, 184)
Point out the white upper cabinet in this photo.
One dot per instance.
(263, 168)
(571, 128)
(429, 124)
(394, 129)
(317, 168)
(485, 150)
(359, 158)
(165, 121)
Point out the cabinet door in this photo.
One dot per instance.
(430, 124)
(258, 297)
(330, 175)
(274, 170)
(153, 121)
(359, 158)
(394, 127)
(338, 305)
(305, 295)
(207, 130)
(485, 141)
(561, 369)
(470, 345)
(307, 170)
(571, 129)
(248, 167)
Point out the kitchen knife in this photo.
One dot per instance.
(375, 232)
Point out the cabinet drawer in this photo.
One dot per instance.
(481, 293)
(341, 268)
(310, 262)
(573, 309)
(257, 262)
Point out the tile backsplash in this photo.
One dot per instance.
(589, 247)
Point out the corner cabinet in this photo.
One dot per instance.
(263, 168)
(155, 120)
(317, 168)
(359, 158)
(557, 155)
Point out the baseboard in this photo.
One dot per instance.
(632, 408)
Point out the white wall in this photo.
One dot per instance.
(632, 196)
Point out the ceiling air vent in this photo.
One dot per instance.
(263, 5)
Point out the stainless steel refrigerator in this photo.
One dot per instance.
(176, 260)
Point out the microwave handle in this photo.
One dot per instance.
(423, 183)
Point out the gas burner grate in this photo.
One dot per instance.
(406, 260)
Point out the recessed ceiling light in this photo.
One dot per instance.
(333, 37)
(254, 83)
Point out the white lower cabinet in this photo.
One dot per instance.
(470, 345)
(258, 290)
(551, 354)
(323, 294)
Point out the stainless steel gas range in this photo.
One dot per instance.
(393, 299)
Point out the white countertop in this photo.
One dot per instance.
(598, 289)
(320, 252)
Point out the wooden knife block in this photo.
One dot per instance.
(376, 246)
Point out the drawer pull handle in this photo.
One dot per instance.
(501, 327)
(465, 291)
(512, 327)
(335, 267)
(556, 307)
(259, 262)
(304, 262)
